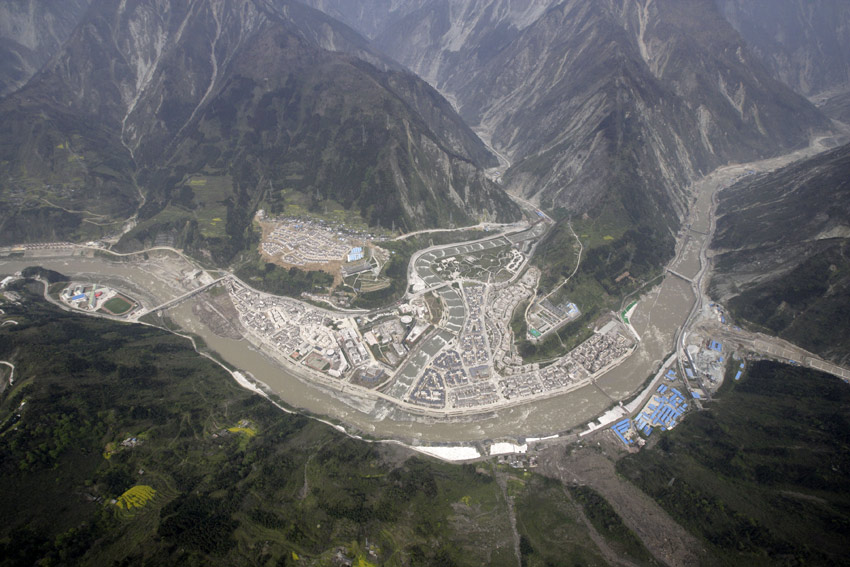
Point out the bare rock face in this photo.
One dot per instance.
(612, 105)
(32, 31)
(803, 42)
(263, 97)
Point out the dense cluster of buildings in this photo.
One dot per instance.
(467, 359)
(463, 375)
(664, 410)
(297, 331)
(603, 348)
(473, 339)
(301, 242)
(504, 302)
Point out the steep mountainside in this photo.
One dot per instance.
(838, 107)
(31, 31)
(768, 489)
(612, 105)
(783, 252)
(213, 108)
(806, 43)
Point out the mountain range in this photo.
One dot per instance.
(803, 42)
(205, 110)
(30, 33)
(151, 121)
(182, 119)
(613, 105)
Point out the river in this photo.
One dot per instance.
(145, 281)
(660, 314)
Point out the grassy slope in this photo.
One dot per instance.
(761, 476)
(275, 485)
(810, 306)
(611, 247)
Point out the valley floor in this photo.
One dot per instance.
(426, 400)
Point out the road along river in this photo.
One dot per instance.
(160, 278)
(659, 316)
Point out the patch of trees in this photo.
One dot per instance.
(43, 273)
(199, 522)
(272, 278)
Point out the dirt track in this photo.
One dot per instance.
(593, 466)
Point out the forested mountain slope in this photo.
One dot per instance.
(210, 109)
(610, 104)
(782, 252)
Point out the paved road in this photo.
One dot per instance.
(480, 226)
(771, 346)
(781, 349)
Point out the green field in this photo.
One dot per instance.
(298, 204)
(118, 305)
(211, 493)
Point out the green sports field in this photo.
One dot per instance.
(118, 305)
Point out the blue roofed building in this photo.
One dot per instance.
(621, 429)
(355, 254)
(663, 410)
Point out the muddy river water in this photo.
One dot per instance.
(660, 313)
(656, 320)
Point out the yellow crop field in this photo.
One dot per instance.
(249, 431)
(136, 497)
